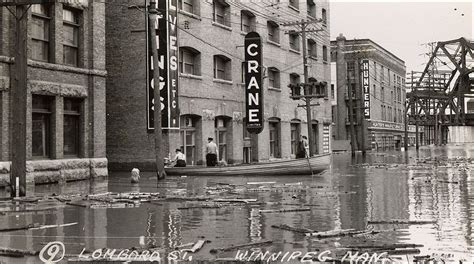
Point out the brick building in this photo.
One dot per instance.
(66, 90)
(211, 90)
(377, 78)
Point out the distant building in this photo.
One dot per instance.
(377, 80)
(66, 90)
(211, 90)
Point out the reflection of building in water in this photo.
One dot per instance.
(174, 228)
(255, 225)
(449, 204)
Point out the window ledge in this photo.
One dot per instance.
(190, 76)
(295, 51)
(311, 16)
(274, 89)
(325, 62)
(313, 57)
(221, 26)
(273, 43)
(223, 81)
(190, 14)
(294, 8)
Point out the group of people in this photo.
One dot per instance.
(212, 152)
(211, 155)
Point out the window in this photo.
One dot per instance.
(294, 39)
(273, 32)
(71, 133)
(294, 3)
(189, 6)
(311, 8)
(312, 52)
(70, 37)
(222, 68)
(41, 126)
(294, 137)
(274, 127)
(273, 78)
(221, 136)
(189, 61)
(333, 92)
(382, 93)
(375, 70)
(324, 16)
(40, 37)
(247, 23)
(188, 138)
(221, 12)
(325, 53)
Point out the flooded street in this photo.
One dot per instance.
(353, 194)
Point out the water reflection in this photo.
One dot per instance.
(343, 198)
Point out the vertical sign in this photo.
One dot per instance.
(167, 39)
(253, 83)
(366, 86)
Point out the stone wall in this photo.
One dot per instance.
(55, 171)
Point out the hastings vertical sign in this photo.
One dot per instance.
(366, 86)
(253, 83)
(167, 38)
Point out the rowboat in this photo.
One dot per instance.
(307, 166)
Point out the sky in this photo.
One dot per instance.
(403, 27)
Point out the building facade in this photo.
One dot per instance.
(376, 80)
(66, 91)
(211, 85)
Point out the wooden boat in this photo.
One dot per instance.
(318, 163)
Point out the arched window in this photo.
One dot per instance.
(222, 67)
(274, 127)
(247, 21)
(189, 124)
(189, 61)
(273, 78)
(273, 31)
(312, 51)
(295, 127)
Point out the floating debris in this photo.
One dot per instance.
(340, 233)
(17, 253)
(294, 229)
(406, 222)
(285, 210)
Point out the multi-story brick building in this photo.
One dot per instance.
(66, 90)
(211, 90)
(377, 80)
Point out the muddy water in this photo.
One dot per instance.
(345, 197)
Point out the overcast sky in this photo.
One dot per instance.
(403, 27)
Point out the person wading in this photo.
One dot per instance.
(211, 153)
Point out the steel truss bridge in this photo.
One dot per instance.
(437, 97)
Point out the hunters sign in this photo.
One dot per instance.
(253, 83)
(366, 86)
(167, 39)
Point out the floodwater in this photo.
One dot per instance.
(344, 197)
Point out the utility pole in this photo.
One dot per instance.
(159, 154)
(19, 94)
(303, 24)
(351, 116)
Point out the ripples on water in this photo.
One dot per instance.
(342, 198)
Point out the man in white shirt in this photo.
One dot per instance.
(180, 159)
(211, 153)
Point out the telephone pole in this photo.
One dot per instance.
(159, 153)
(19, 94)
(303, 24)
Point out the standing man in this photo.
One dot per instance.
(211, 153)
(305, 145)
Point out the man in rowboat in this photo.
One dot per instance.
(180, 159)
(211, 153)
